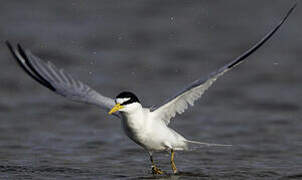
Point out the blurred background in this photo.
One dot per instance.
(153, 48)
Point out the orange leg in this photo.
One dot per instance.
(155, 170)
(173, 163)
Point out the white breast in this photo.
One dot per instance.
(134, 125)
(150, 133)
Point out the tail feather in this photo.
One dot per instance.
(207, 144)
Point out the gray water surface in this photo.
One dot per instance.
(153, 48)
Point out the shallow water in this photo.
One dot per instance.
(153, 48)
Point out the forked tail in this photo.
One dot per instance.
(207, 144)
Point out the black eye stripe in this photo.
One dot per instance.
(129, 101)
(131, 96)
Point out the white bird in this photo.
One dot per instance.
(148, 127)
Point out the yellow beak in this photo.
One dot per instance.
(116, 108)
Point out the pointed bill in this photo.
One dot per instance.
(116, 108)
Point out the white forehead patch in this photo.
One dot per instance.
(122, 100)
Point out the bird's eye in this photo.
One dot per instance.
(124, 103)
(129, 101)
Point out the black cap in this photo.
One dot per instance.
(130, 95)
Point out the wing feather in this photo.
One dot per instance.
(185, 98)
(57, 80)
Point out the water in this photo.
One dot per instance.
(153, 48)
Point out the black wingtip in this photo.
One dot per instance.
(10, 47)
(290, 10)
(263, 40)
(8, 44)
(21, 51)
(294, 6)
(12, 50)
(26, 65)
(42, 80)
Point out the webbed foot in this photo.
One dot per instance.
(156, 170)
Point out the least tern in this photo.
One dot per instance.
(148, 127)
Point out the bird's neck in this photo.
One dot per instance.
(134, 113)
(135, 118)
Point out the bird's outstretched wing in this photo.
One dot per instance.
(57, 80)
(180, 102)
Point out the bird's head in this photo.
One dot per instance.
(125, 102)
